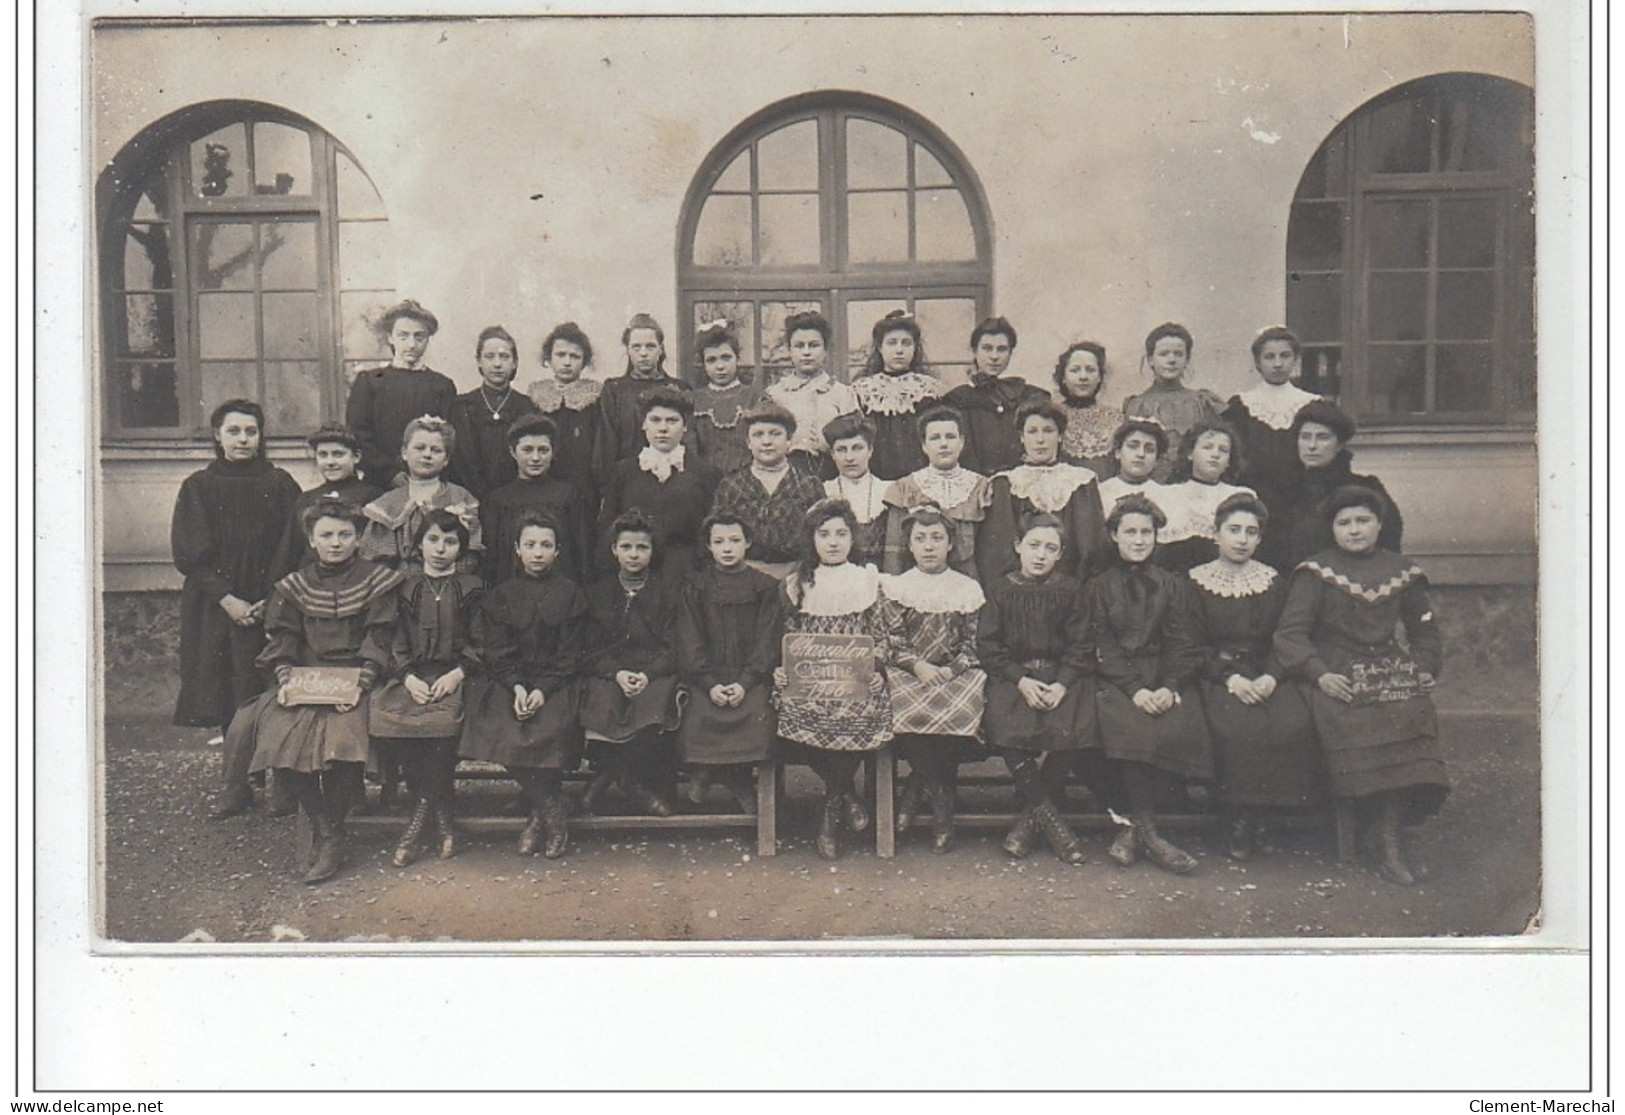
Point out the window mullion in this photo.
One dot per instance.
(1430, 310)
(188, 371)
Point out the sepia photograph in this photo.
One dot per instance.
(890, 483)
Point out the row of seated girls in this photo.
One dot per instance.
(1220, 623)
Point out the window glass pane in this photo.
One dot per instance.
(225, 255)
(1489, 131)
(945, 324)
(1321, 367)
(357, 313)
(291, 326)
(737, 176)
(293, 397)
(876, 156)
(1522, 233)
(861, 317)
(722, 237)
(288, 255)
(149, 325)
(788, 158)
(1521, 378)
(153, 202)
(145, 395)
(1397, 233)
(1402, 136)
(220, 163)
(225, 326)
(1314, 306)
(358, 200)
(1326, 176)
(877, 227)
(219, 382)
(789, 229)
(365, 256)
(1466, 305)
(1464, 378)
(146, 258)
(1467, 231)
(942, 229)
(776, 353)
(1397, 306)
(741, 316)
(1314, 239)
(1398, 378)
(281, 160)
(927, 171)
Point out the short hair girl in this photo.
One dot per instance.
(383, 400)
(943, 481)
(393, 518)
(571, 400)
(807, 390)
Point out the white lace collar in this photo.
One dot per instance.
(1190, 505)
(883, 393)
(867, 496)
(662, 465)
(579, 394)
(1223, 579)
(1276, 405)
(1048, 487)
(840, 590)
(934, 593)
(947, 489)
(791, 382)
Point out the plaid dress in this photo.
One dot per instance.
(932, 618)
(844, 600)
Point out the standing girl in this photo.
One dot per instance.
(960, 493)
(1143, 630)
(832, 593)
(1368, 692)
(528, 634)
(895, 384)
(481, 417)
(719, 438)
(571, 401)
(227, 537)
(620, 401)
(337, 613)
(929, 614)
(1263, 745)
(1202, 481)
(418, 714)
(808, 392)
(1168, 350)
(1086, 439)
(383, 400)
(394, 517)
(1262, 415)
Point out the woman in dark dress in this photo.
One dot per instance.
(1264, 749)
(228, 537)
(383, 400)
(482, 416)
(1262, 415)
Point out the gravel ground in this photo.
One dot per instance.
(172, 875)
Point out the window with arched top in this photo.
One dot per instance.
(243, 251)
(843, 203)
(1411, 256)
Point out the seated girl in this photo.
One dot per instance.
(665, 482)
(960, 493)
(394, 517)
(1202, 481)
(772, 490)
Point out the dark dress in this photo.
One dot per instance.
(353, 490)
(323, 615)
(578, 454)
(728, 630)
(1340, 616)
(1264, 754)
(228, 538)
(433, 635)
(499, 525)
(1299, 529)
(1265, 443)
(1037, 629)
(1065, 490)
(719, 436)
(893, 404)
(775, 519)
(989, 403)
(622, 424)
(1143, 627)
(629, 631)
(676, 507)
(481, 462)
(382, 402)
(527, 631)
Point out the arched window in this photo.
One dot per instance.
(1410, 256)
(843, 203)
(242, 250)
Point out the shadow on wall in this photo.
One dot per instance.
(1489, 633)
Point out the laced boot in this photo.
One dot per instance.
(1062, 840)
(1018, 842)
(530, 838)
(1159, 851)
(555, 826)
(857, 817)
(407, 850)
(329, 851)
(279, 800)
(1392, 844)
(908, 803)
(596, 789)
(942, 816)
(446, 826)
(1242, 837)
(829, 827)
(645, 798)
(699, 780)
(232, 803)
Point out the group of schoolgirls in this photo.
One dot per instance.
(1119, 630)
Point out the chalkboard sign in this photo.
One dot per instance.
(1385, 678)
(324, 685)
(828, 667)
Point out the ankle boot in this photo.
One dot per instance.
(1158, 850)
(1062, 840)
(232, 803)
(829, 827)
(646, 799)
(279, 800)
(942, 817)
(530, 837)
(1018, 842)
(407, 850)
(699, 780)
(1392, 843)
(329, 852)
(908, 803)
(1241, 837)
(1125, 847)
(596, 789)
(743, 789)
(447, 828)
(555, 826)
(1344, 820)
(857, 817)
